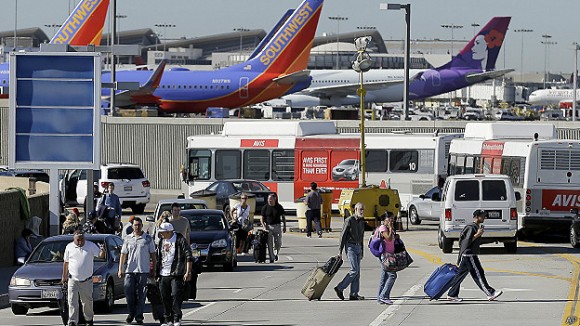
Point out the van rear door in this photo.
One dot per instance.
(495, 201)
(465, 201)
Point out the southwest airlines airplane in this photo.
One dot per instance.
(276, 68)
(474, 64)
(553, 97)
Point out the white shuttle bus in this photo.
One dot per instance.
(544, 169)
(287, 156)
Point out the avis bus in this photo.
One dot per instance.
(544, 169)
(288, 155)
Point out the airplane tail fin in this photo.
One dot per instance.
(85, 24)
(482, 51)
(268, 37)
(288, 49)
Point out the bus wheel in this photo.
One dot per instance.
(413, 216)
(574, 237)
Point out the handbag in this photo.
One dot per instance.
(246, 225)
(399, 260)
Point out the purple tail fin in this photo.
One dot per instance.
(482, 51)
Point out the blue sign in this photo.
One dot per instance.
(55, 110)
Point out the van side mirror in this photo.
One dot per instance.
(422, 196)
(435, 197)
(518, 196)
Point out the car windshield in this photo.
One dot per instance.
(53, 251)
(125, 173)
(206, 222)
(183, 206)
(348, 162)
(249, 186)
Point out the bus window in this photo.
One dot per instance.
(403, 161)
(282, 165)
(459, 165)
(227, 164)
(199, 164)
(451, 166)
(469, 165)
(257, 164)
(486, 166)
(376, 160)
(467, 190)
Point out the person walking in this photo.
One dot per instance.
(127, 227)
(77, 271)
(351, 240)
(272, 217)
(109, 208)
(93, 225)
(180, 224)
(469, 243)
(242, 219)
(386, 232)
(313, 202)
(174, 267)
(137, 251)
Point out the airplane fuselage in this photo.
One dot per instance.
(547, 97)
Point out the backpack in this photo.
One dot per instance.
(377, 246)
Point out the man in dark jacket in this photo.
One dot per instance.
(313, 202)
(469, 242)
(174, 266)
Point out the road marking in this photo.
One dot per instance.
(289, 258)
(238, 290)
(571, 310)
(198, 309)
(390, 311)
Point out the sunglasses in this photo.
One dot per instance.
(244, 197)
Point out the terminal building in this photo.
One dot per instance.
(329, 51)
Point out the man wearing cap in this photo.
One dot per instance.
(174, 266)
(93, 224)
(313, 202)
(469, 242)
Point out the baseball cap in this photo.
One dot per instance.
(479, 212)
(91, 215)
(165, 227)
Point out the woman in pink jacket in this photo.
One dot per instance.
(387, 232)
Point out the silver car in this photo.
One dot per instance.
(426, 207)
(346, 170)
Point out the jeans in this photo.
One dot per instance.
(386, 283)
(354, 255)
(135, 290)
(313, 215)
(274, 240)
(172, 289)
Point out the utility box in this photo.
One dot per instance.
(376, 200)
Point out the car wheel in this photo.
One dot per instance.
(109, 302)
(413, 216)
(574, 237)
(18, 309)
(511, 247)
(446, 244)
(138, 209)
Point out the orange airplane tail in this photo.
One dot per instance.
(85, 24)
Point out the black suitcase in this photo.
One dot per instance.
(260, 244)
(63, 307)
(154, 298)
(332, 265)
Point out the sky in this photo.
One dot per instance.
(194, 18)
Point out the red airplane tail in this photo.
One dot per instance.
(85, 24)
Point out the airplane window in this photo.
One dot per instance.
(222, 86)
(173, 86)
(189, 86)
(178, 86)
(194, 86)
(184, 86)
(228, 86)
(211, 87)
(205, 86)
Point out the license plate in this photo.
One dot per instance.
(494, 214)
(50, 294)
(128, 188)
(544, 212)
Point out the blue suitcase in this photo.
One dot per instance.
(440, 281)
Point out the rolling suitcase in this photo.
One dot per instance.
(260, 244)
(320, 278)
(440, 281)
(154, 298)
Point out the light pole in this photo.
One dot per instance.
(547, 44)
(362, 64)
(119, 17)
(53, 26)
(338, 19)
(165, 32)
(575, 80)
(15, 22)
(365, 28)
(407, 7)
(241, 30)
(475, 25)
(452, 27)
(522, 31)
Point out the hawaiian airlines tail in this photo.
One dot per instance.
(85, 24)
(482, 51)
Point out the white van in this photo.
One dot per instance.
(463, 194)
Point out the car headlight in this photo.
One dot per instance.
(221, 243)
(19, 281)
(98, 279)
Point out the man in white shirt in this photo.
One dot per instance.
(77, 271)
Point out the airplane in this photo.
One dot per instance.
(553, 97)
(474, 63)
(276, 68)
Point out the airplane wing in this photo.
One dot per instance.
(145, 91)
(293, 78)
(479, 77)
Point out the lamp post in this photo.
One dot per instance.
(522, 31)
(165, 32)
(452, 27)
(241, 30)
(407, 7)
(575, 80)
(119, 17)
(15, 22)
(547, 44)
(338, 19)
(361, 64)
(475, 25)
(53, 26)
(365, 28)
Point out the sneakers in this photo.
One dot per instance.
(177, 323)
(90, 323)
(339, 293)
(139, 321)
(164, 324)
(275, 257)
(129, 319)
(356, 297)
(72, 323)
(494, 295)
(385, 301)
(454, 299)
